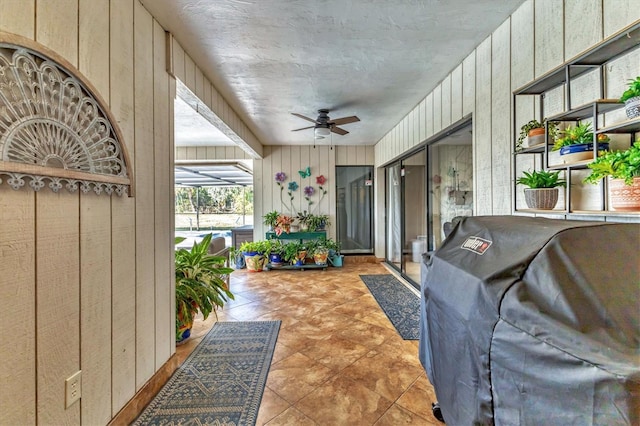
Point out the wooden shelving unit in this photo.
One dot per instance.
(593, 60)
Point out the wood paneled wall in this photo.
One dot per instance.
(86, 281)
(539, 36)
(291, 159)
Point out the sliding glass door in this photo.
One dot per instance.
(394, 216)
(450, 183)
(406, 226)
(414, 214)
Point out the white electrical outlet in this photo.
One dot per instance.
(73, 388)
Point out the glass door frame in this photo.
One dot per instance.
(400, 162)
(429, 143)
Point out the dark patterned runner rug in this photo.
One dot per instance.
(401, 306)
(221, 382)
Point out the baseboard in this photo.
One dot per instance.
(141, 399)
(367, 258)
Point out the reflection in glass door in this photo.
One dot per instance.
(394, 223)
(450, 183)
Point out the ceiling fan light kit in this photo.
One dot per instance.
(324, 126)
(322, 132)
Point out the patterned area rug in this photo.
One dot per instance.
(398, 302)
(222, 381)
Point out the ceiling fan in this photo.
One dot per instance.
(324, 125)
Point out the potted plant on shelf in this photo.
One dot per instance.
(199, 285)
(542, 193)
(276, 252)
(317, 222)
(283, 224)
(255, 253)
(295, 253)
(623, 168)
(270, 219)
(303, 220)
(320, 253)
(631, 98)
(335, 258)
(576, 143)
(534, 131)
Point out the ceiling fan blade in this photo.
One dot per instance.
(303, 128)
(338, 130)
(303, 117)
(345, 120)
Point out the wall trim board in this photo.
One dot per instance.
(147, 392)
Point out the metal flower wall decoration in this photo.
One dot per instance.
(309, 190)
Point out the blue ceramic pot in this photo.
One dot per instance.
(582, 147)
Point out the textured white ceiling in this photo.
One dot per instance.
(372, 58)
(192, 129)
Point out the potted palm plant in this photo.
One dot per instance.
(542, 191)
(623, 169)
(631, 98)
(199, 285)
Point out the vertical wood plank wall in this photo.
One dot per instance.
(539, 36)
(86, 280)
(291, 159)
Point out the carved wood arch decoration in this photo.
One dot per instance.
(55, 129)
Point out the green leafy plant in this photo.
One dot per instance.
(333, 245)
(199, 282)
(617, 164)
(541, 179)
(271, 218)
(276, 246)
(535, 124)
(579, 134)
(315, 222)
(291, 251)
(632, 91)
(262, 246)
(303, 218)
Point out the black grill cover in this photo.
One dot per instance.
(530, 321)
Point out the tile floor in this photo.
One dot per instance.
(338, 359)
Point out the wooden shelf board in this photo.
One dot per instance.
(577, 165)
(606, 50)
(604, 213)
(622, 127)
(586, 110)
(535, 149)
(539, 211)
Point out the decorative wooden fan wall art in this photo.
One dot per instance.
(55, 130)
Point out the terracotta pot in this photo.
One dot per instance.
(625, 197)
(535, 137)
(541, 198)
